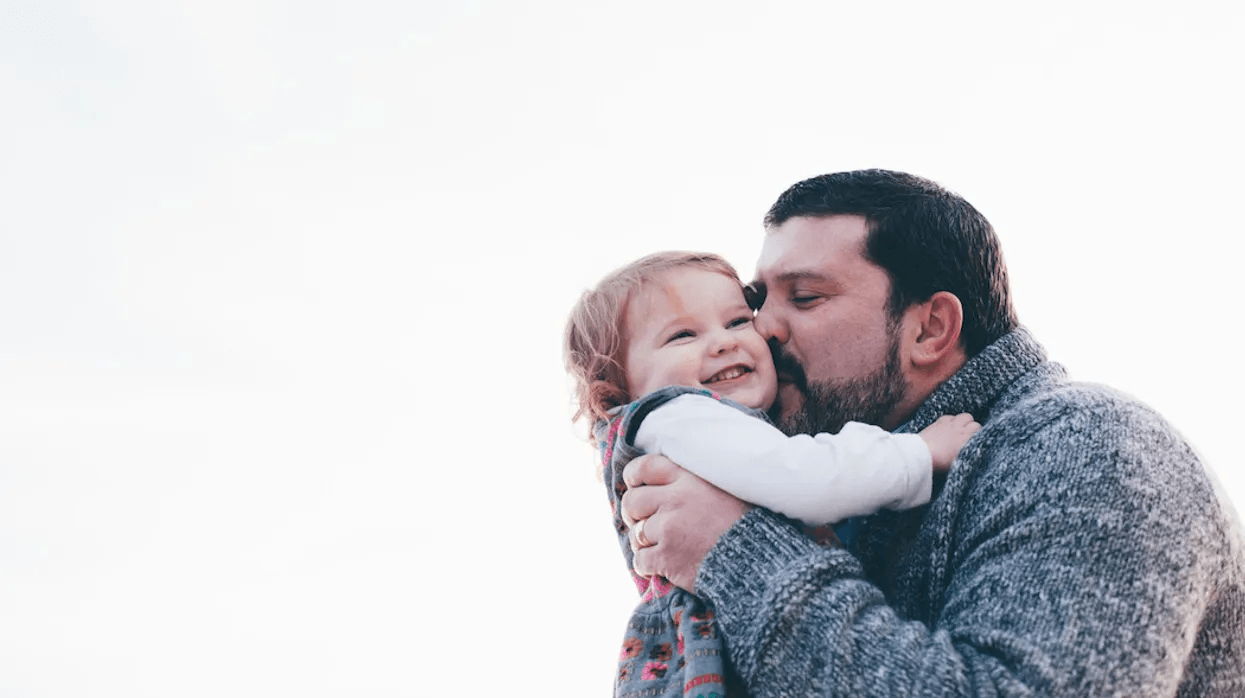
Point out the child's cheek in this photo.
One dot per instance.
(686, 370)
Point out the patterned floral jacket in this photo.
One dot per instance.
(672, 647)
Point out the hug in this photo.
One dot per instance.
(860, 475)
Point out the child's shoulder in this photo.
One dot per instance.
(626, 420)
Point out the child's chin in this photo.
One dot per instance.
(748, 398)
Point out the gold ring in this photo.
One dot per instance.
(641, 539)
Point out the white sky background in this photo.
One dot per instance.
(282, 284)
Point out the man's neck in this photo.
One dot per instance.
(920, 385)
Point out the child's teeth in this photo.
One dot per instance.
(727, 375)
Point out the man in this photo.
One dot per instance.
(1076, 548)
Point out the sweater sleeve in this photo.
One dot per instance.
(1072, 560)
(817, 479)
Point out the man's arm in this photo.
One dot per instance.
(1085, 575)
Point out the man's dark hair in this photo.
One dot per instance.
(925, 237)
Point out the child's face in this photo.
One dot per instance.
(692, 327)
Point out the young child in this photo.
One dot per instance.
(665, 359)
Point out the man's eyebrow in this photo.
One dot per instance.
(803, 275)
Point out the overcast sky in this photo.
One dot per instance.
(282, 284)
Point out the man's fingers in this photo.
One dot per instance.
(639, 503)
(643, 534)
(643, 556)
(652, 469)
(642, 561)
(683, 518)
(645, 471)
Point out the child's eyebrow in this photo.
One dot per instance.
(680, 321)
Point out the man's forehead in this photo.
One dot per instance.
(804, 247)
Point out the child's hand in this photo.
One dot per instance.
(947, 436)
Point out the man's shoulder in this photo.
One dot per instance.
(1093, 453)
(1064, 408)
(1070, 435)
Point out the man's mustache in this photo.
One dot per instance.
(787, 366)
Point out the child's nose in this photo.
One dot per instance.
(724, 341)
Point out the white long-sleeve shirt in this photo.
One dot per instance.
(818, 479)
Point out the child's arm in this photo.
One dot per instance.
(817, 479)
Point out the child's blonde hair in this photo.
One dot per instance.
(595, 343)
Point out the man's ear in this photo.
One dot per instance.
(939, 321)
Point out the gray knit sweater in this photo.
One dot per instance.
(1077, 548)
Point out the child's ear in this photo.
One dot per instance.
(939, 321)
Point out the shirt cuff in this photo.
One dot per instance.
(920, 470)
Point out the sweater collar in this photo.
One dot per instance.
(981, 381)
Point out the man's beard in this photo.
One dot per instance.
(831, 404)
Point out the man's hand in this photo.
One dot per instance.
(683, 517)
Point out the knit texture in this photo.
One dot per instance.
(1078, 547)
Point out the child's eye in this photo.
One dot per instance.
(803, 298)
(681, 334)
(739, 321)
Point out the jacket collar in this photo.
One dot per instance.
(977, 386)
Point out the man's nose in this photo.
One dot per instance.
(771, 325)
